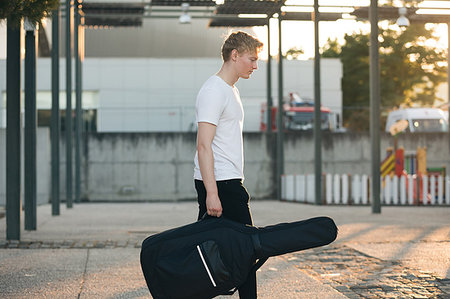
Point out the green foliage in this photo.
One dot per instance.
(294, 53)
(34, 10)
(410, 71)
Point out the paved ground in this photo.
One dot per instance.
(92, 251)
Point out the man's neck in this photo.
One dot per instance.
(228, 74)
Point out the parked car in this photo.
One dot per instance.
(419, 119)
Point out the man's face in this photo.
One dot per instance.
(246, 63)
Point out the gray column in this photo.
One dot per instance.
(269, 82)
(68, 123)
(448, 82)
(55, 116)
(13, 201)
(317, 111)
(374, 108)
(30, 126)
(280, 123)
(78, 111)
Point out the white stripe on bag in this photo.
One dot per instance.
(206, 266)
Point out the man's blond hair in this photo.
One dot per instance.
(242, 42)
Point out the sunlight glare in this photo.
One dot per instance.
(423, 11)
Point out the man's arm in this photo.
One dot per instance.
(205, 136)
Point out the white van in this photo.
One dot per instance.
(419, 119)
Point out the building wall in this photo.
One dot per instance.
(158, 95)
(158, 38)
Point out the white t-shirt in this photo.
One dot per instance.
(220, 104)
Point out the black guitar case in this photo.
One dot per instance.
(214, 256)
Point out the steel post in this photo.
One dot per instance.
(30, 126)
(78, 110)
(55, 125)
(317, 111)
(269, 82)
(68, 119)
(280, 125)
(13, 201)
(374, 108)
(448, 84)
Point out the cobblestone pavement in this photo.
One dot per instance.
(352, 273)
(357, 275)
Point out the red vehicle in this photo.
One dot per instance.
(298, 117)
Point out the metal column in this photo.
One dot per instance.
(280, 126)
(374, 108)
(55, 116)
(78, 111)
(317, 111)
(269, 82)
(13, 202)
(448, 83)
(30, 126)
(68, 124)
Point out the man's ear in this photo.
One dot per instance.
(234, 54)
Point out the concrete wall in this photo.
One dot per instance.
(159, 166)
(350, 152)
(156, 166)
(42, 163)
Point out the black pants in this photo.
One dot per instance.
(234, 199)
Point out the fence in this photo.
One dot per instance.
(344, 189)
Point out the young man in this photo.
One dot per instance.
(219, 161)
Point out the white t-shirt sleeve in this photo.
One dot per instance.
(210, 105)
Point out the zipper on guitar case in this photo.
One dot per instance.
(206, 266)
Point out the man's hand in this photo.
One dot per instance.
(205, 136)
(213, 205)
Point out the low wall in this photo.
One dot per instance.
(43, 178)
(159, 166)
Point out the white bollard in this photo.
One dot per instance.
(364, 185)
(410, 189)
(283, 186)
(303, 193)
(356, 189)
(290, 187)
(387, 190)
(424, 190)
(329, 189)
(336, 189)
(299, 187)
(345, 189)
(432, 189)
(395, 190)
(447, 190)
(403, 190)
(440, 196)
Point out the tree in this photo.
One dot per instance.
(410, 71)
(294, 53)
(34, 10)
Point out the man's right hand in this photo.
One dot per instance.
(213, 205)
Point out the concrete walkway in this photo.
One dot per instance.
(92, 251)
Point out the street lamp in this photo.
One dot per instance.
(185, 18)
(402, 21)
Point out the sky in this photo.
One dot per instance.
(300, 34)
